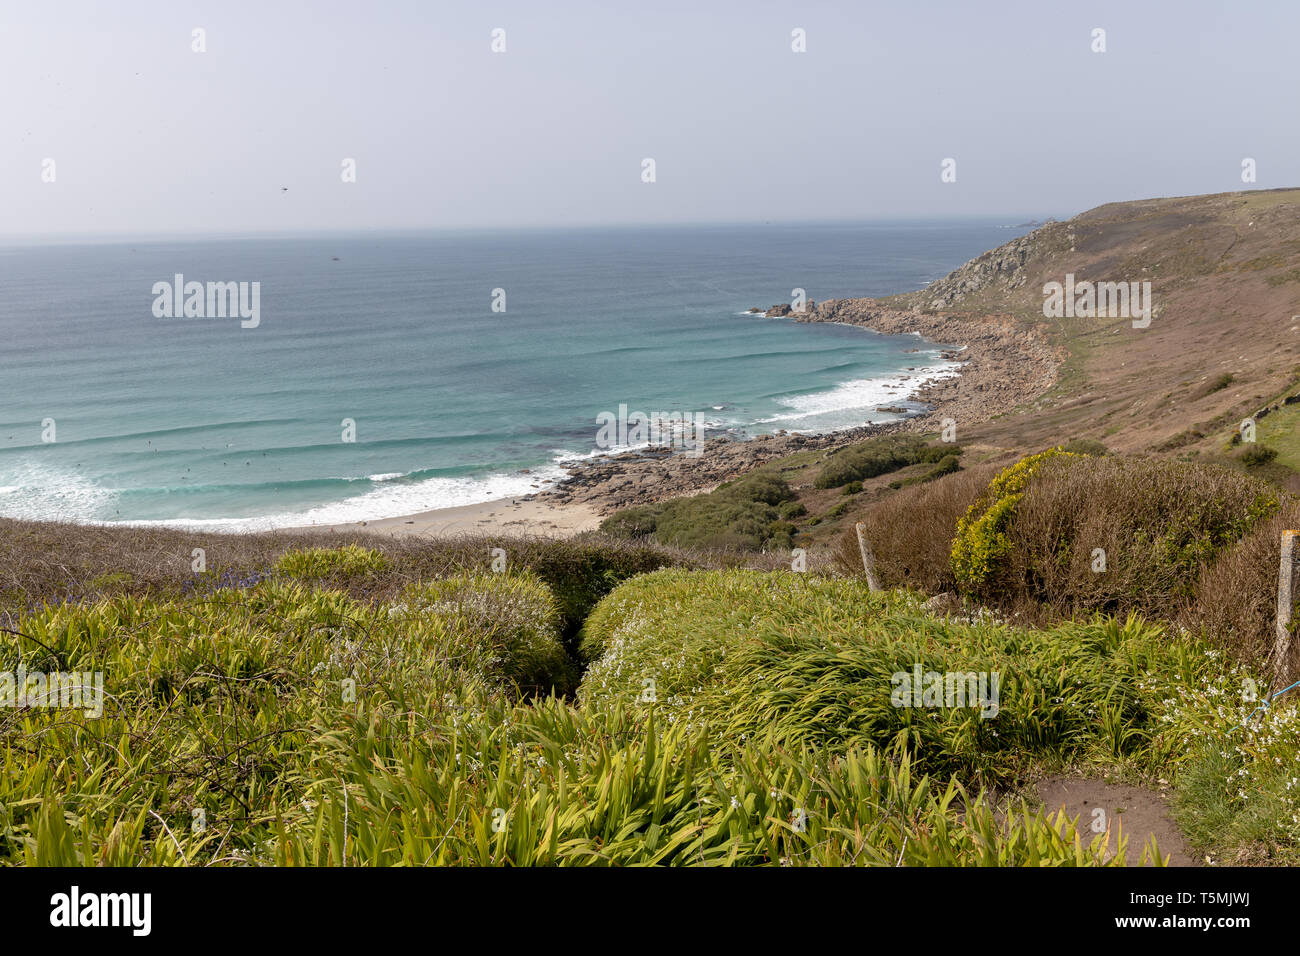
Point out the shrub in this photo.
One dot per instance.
(1183, 438)
(1155, 523)
(911, 532)
(981, 544)
(792, 509)
(509, 622)
(639, 521)
(757, 486)
(780, 535)
(879, 456)
(1257, 455)
(737, 515)
(318, 564)
(1218, 384)
(947, 465)
(1084, 446)
(1235, 598)
(852, 488)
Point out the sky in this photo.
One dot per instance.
(148, 136)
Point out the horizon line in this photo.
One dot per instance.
(38, 238)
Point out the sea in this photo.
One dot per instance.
(388, 374)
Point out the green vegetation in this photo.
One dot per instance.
(788, 663)
(1113, 534)
(744, 514)
(1218, 384)
(981, 543)
(1084, 446)
(318, 564)
(947, 465)
(792, 509)
(303, 727)
(1184, 438)
(228, 709)
(1256, 455)
(1193, 545)
(724, 717)
(1291, 275)
(44, 563)
(794, 662)
(513, 618)
(880, 456)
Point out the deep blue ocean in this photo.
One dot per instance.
(203, 422)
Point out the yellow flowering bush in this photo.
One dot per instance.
(981, 541)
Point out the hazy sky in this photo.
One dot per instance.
(148, 136)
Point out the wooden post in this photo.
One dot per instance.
(868, 558)
(1288, 590)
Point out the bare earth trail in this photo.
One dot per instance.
(1140, 812)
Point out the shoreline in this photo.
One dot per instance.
(1000, 366)
(522, 516)
(997, 365)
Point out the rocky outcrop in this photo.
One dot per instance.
(1003, 266)
(1005, 363)
(644, 477)
(784, 309)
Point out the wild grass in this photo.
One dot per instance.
(45, 562)
(375, 704)
(743, 514)
(285, 722)
(791, 661)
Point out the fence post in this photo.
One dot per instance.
(868, 557)
(1288, 589)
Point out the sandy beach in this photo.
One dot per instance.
(532, 518)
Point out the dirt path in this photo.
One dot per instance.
(1141, 813)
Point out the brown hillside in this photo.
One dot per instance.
(1225, 283)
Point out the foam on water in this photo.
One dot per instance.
(42, 493)
(390, 501)
(846, 403)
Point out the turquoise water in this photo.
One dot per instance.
(203, 422)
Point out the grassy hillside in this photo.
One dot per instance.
(725, 717)
(1223, 344)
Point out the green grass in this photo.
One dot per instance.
(1280, 431)
(1239, 791)
(794, 661)
(318, 564)
(744, 514)
(724, 718)
(880, 456)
